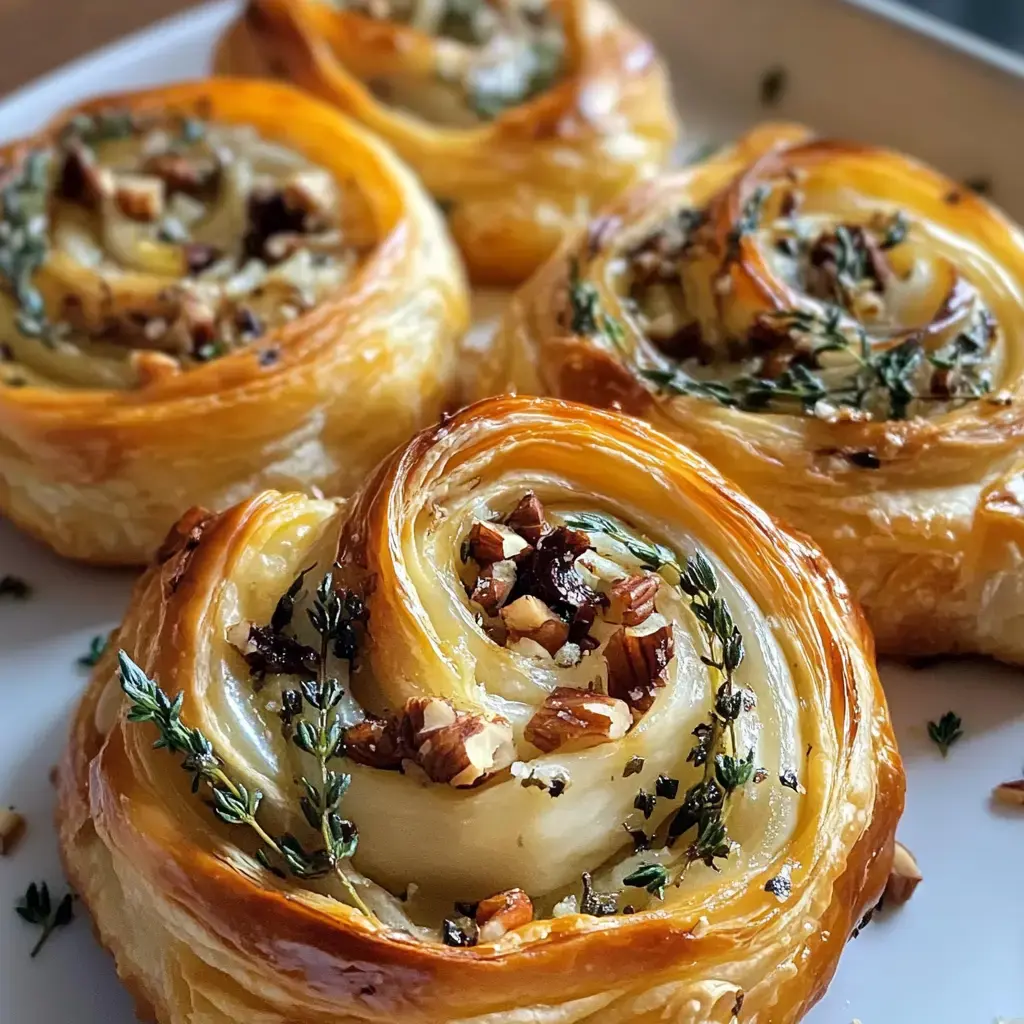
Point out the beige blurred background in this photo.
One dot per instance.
(39, 35)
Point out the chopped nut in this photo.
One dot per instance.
(527, 519)
(456, 747)
(530, 618)
(140, 197)
(194, 327)
(904, 878)
(180, 174)
(312, 192)
(502, 913)
(153, 367)
(81, 181)
(493, 586)
(631, 601)
(550, 574)
(637, 664)
(1011, 793)
(492, 542)
(577, 719)
(12, 828)
(374, 744)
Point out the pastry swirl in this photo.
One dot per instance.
(519, 116)
(208, 289)
(612, 746)
(838, 328)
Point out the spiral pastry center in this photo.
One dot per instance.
(471, 60)
(139, 245)
(812, 283)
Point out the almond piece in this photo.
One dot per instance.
(527, 519)
(492, 542)
(493, 586)
(904, 878)
(1010, 793)
(577, 719)
(502, 913)
(631, 601)
(140, 197)
(637, 664)
(531, 619)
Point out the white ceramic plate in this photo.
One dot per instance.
(955, 954)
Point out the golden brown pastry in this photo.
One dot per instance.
(839, 329)
(549, 723)
(206, 290)
(521, 117)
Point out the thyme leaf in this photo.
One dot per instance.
(946, 731)
(597, 904)
(652, 877)
(36, 907)
(97, 645)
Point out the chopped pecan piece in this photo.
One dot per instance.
(182, 174)
(576, 719)
(1011, 793)
(502, 913)
(637, 664)
(455, 747)
(269, 215)
(374, 742)
(312, 192)
(194, 326)
(81, 181)
(493, 586)
(531, 619)
(527, 519)
(140, 197)
(631, 601)
(904, 878)
(492, 542)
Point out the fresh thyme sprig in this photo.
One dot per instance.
(233, 803)
(946, 731)
(891, 372)
(24, 242)
(717, 748)
(36, 907)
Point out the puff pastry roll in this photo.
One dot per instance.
(839, 329)
(519, 116)
(206, 290)
(549, 723)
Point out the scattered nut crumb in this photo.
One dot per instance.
(1010, 793)
(904, 878)
(12, 828)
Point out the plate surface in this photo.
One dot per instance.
(955, 954)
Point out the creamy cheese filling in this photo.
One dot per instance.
(490, 56)
(140, 247)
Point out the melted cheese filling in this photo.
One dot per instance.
(174, 243)
(489, 56)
